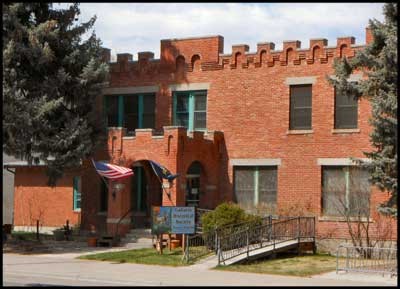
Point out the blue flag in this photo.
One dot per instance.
(162, 172)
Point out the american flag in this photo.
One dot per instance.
(112, 172)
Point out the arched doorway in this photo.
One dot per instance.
(193, 184)
(145, 192)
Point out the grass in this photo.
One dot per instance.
(285, 264)
(30, 236)
(148, 256)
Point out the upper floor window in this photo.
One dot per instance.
(346, 109)
(345, 191)
(300, 107)
(190, 109)
(130, 111)
(77, 193)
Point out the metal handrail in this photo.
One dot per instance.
(367, 259)
(250, 239)
(120, 219)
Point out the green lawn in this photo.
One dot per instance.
(142, 256)
(30, 236)
(293, 265)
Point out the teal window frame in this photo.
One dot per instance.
(138, 189)
(121, 110)
(77, 193)
(191, 108)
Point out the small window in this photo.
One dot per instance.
(103, 197)
(345, 191)
(111, 108)
(190, 109)
(130, 113)
(148, 114)
(300, 107)
(346, 109)
(182, 109)
(77, 193)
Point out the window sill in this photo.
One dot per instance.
(300, 131)
(77, 210)
(102, 213)
(342, 219)
(346, 130)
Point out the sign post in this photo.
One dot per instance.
(172, 220)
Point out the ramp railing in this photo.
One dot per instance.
(250, 238)
(366, 259)
(200, 244)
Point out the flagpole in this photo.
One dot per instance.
(105, 182)
(161, 182)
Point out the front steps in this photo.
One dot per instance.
(138, 238)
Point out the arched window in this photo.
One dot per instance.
(263, 56)
(343, 50)
(289, 55)
(238, 58)
(180, 63)
(316, 52)
(196, 62)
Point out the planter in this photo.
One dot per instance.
(175, 244)
(59, 235)
(92, 241)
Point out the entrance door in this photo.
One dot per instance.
(192, 190)
(139, 197)
(193, 184)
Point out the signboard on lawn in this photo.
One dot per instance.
(182, 220)
(173, 220)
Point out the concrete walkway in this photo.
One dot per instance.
(64, 270)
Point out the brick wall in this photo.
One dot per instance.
(247, 118)
(248, 101)
(34, 200)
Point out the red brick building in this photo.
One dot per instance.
(263, 129)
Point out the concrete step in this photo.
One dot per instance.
(137, 233)
(138, 240)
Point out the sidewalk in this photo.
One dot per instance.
(65, 270)
(360, 277)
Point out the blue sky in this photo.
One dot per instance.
(135, 27)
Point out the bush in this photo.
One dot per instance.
(227, 214)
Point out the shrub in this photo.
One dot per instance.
(227, 214)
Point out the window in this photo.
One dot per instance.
(77, 193)
(190, 109)
(346, 107)
(300, 107)
(111, 108)
(345, 191)
(103, 197)
(148, 111)
(131, 111)
(256, 187)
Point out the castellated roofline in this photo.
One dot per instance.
(208, 52)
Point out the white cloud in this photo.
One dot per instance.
(135, 27)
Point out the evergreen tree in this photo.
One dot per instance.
(51, 78)
(379, 62)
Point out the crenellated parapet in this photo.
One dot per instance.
(206, 54)
(170, 138)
